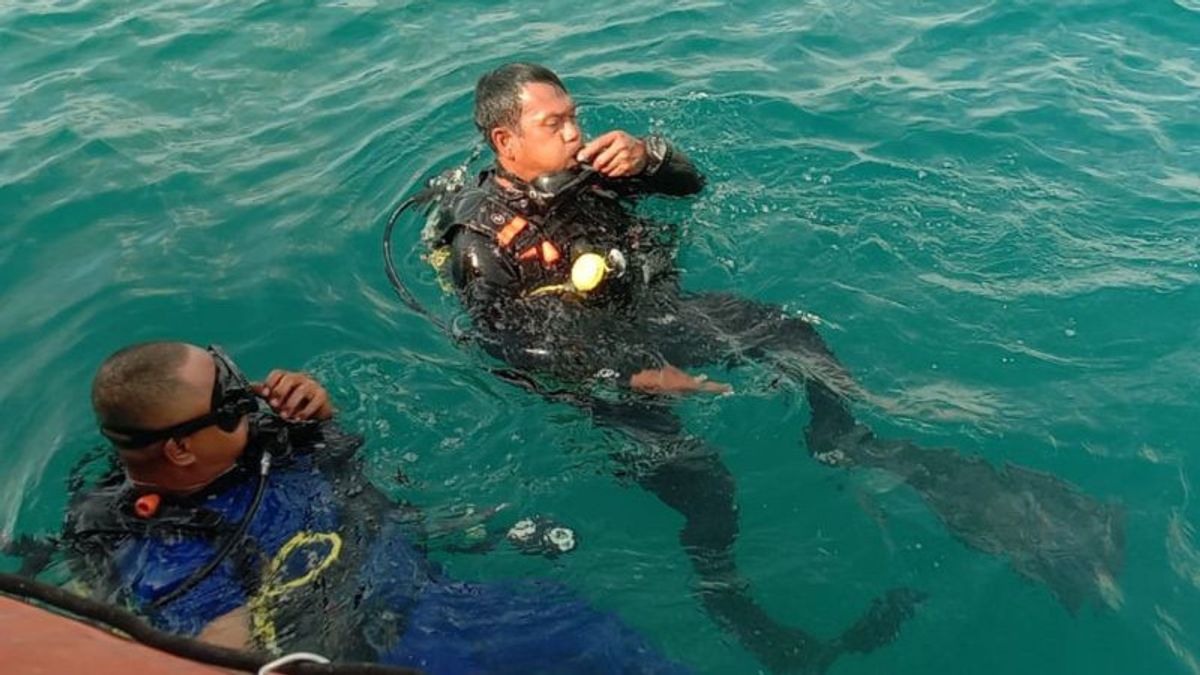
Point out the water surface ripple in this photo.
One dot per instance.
(992, 206)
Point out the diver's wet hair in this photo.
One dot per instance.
(135, 380)
(498, 94)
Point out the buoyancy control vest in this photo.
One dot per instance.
(280, 595)
(544, 238)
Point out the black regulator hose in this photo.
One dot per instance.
(31, 592)
(238, 537)
(432, 188)
(389, 264)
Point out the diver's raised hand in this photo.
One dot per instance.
(295, 396)
(615, 154)
(671, 380)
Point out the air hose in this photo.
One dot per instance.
(438, 184)
(389, 263)
(238, 537)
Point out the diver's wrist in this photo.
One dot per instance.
(657, 152)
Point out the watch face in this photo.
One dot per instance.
(656, 146)
(656, 151)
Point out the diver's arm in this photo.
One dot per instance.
(230, 630)
(650, 165)
(668, 170)
(489, 288)
(480, 271)
(673, 381)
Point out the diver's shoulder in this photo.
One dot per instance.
(467, 200)
(97, 508)
(480, 209)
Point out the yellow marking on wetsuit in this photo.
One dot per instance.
(438, 257)
(79, 587)
(262, 610)
(552, 288)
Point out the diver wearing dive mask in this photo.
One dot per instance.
(239, 555)
(177, 414)
(232, 399)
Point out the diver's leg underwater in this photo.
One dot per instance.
(687, 474)
(1047, 529)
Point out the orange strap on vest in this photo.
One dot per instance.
(511, 230)
(547, 251)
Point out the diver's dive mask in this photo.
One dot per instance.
(233, 396)
(232, 399)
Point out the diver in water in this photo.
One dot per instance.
(561, 278)
(254, 530)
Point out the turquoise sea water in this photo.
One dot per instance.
(993, 207)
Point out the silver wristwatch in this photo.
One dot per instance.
(658, 150)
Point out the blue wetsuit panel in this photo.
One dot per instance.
(413, 615)
(297, 498)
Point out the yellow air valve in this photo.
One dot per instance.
(588, 272)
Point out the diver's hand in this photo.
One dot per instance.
(615, 154)
(295, 396)
(671, 380)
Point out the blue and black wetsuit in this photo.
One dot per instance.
(324, 568)
(499, 235)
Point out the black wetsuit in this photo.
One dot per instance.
(639, 319)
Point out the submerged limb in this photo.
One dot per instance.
(1048, 530)
(514, 628)
(688, 475)
(726, 326)
(729, 327)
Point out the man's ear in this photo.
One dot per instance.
(178, 452)
(502, 140)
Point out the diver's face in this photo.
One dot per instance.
(547, 137)
(195, 459)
